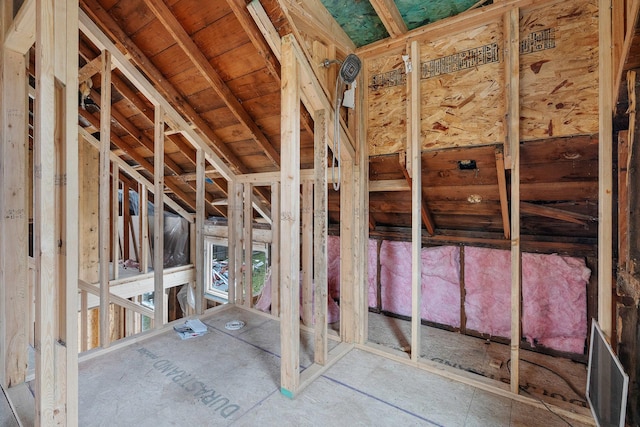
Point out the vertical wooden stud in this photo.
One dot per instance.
(199, 234)
(320, 207)
(248, 245)
(105, 150)
(158, 218)
(115, 219)
(348, 321)
(605, 170)
(144, 229)
(235, 242)
(361, 215)
(275, 249)
(512, 58)
(415, 142)
(307, 252)
(14, 211)
(290, 220)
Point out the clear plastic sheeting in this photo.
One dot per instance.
(176, 239)
(440, 282)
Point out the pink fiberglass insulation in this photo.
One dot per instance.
(264, 302)
(554, 297)
(440, 281)
(487, 279)
(333, 268)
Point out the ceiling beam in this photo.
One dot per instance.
(195, 55)
(390, 16)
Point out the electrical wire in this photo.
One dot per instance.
(573, 388)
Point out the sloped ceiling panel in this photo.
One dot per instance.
(417, 13)
(361, 23)
(358, 19)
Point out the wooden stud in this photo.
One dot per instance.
(56, 261)
(126, 220)
(275, 249)
(416, 202)
(235, 243)
(320, 209)
(290, 220)
(362, 218)
(199, 235)
(605, 170)
(158, 219)
(14, 209)
(88, 223)
(307, 253)
(144, 228)
(623, 198)
(512, 58)
(502, 189)
(67, 48)
(105, 152)
(348, 321)
(115, 214)
(248, 246)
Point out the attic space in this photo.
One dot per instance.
(371, 212)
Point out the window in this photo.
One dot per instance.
(217, 269)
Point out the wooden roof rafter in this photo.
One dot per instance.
(390, 16)
(272, 64)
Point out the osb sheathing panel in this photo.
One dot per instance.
(387, 114)
(463, 103)
(465, 107)
(559, 85)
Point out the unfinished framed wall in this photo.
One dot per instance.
(501, 78)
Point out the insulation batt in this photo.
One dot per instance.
(554, 297)
(440, 281)
(333, 268)
(264, 302)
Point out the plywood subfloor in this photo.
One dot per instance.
(232, 377)
(554, 380)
